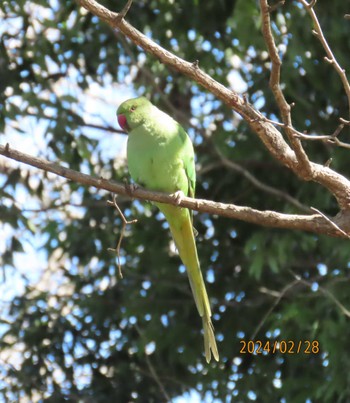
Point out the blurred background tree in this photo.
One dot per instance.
(70, 329)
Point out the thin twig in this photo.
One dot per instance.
(330, 138)
(260, 185)
(279, 296)
(125, 222)
(105, 128)
(331, 59)
(327, 138)
(326, 292)
(346, 122)
(156, 378)
(273, 122)
(331, 222)
(124, 11)
(312, 3)
(153, 371)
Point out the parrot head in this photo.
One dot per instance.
(133, 112)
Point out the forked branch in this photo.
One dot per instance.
(125, 222)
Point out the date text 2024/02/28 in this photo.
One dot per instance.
(279, 346)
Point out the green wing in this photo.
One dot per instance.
(188, 159)
(191, 176)
(190, 169)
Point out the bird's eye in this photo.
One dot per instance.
(132, 108)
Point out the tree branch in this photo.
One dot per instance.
(269, 135)
(315, 223)
(330, 58)
(125, 222)
(284, 107)
(328, 138)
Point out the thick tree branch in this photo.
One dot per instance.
(189, 69)
(269, 135)
(315, 223)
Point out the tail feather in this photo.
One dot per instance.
(209, 341)
(182, 231)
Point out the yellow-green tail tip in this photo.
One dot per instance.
(209, 341)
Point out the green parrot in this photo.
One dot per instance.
(161, 157)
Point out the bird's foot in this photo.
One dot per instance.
(130, 187)
(178, 196)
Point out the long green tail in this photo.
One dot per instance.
(182, 231)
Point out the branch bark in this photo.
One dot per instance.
(273, 140)
(315, 223)
(284, 107)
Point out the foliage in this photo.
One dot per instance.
(74, 330)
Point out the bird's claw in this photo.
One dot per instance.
(178, 196)
(130, 187)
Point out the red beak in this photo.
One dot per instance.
(122, 122)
